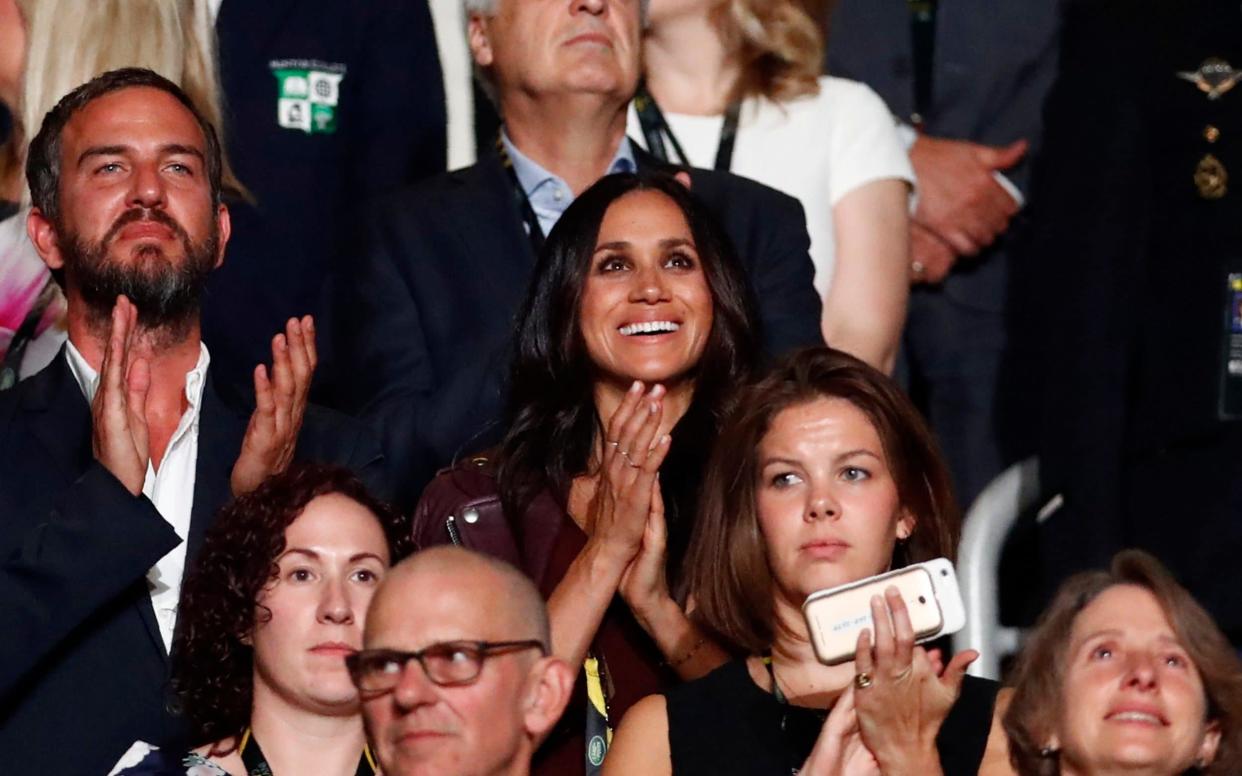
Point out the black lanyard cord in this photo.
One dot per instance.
(656, 128)
(256, 764)
(527, 211)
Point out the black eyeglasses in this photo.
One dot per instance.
(447, 664)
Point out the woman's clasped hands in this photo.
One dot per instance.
(626, 514)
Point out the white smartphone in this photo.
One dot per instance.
(836, 616)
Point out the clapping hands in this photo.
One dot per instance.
(280, 403)
(631, 456)
(119, 437)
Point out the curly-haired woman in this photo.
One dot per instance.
(275, 602)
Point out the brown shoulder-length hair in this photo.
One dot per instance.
(212, 660)
(1039, 674)
(779, 46)
(727, 572)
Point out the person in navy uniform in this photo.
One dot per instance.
(1137, 231)
(328, 105)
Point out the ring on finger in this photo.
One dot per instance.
(917, 267)
(862, 680)
(613, 443)
(629, 460)
(903, 673)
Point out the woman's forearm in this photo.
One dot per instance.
(865, 309)
(686, 648)
(577, 605)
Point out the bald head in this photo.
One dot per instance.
(454, 599)
(461, 577)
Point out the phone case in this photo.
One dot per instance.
(836, 616)
(948, 595)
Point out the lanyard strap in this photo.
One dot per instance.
(923, 41)
(598, 727)
(533, 230)
(655, 129)
(256, 764)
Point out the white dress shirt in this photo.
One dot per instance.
(171, 488)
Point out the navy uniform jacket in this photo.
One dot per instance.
(379, 66)
(1134, 259)
(428, 314)
(83, 670)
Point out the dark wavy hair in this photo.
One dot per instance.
(1039, 677)
(727, 570)
(552, 421)
(212, 665)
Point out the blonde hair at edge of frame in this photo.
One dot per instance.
(69, 42)
(779, 46)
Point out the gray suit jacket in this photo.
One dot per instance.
(994, 62)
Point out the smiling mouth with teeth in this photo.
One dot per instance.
(648, 327)
(1136, 716)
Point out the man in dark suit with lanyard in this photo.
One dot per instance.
(115, 457)
(967, 78)
(430, 308)
(329, 104)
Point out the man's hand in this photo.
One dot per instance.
(959, 200)
(118, 412)
(280, 403)
(931, 258)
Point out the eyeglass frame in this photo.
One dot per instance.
(485, 649)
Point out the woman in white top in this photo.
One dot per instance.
(827, 141)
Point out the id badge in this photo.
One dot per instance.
(1231, 355)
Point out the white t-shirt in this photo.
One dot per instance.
(817, 149)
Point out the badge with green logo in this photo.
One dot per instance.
(596, 749)
(307, 94)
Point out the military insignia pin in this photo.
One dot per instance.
(1211, 178)
(1214, 77)
(307, 93)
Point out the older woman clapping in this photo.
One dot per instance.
(636, 329)
(1126, 673)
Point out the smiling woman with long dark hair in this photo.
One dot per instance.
(637, 328)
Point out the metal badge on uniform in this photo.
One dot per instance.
(1211, 177)
(307, 94)
(1214, 77)
(1231, 353)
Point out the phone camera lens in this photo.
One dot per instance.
(922, 599)
(944, 572)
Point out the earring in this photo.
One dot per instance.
(1048, 751)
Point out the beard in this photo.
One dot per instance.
(166, 293)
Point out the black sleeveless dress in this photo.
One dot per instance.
(725, 724)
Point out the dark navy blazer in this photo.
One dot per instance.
(83, 669)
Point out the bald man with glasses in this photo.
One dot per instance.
(457, 676)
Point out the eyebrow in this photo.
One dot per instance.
(117, 150)
(841, 457)
(315, 556)
(666, 243)
(1120, 632)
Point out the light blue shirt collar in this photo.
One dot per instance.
(549, 195)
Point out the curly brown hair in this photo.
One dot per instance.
(212, 665)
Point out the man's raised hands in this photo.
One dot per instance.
(280, 403)
(118, 412)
